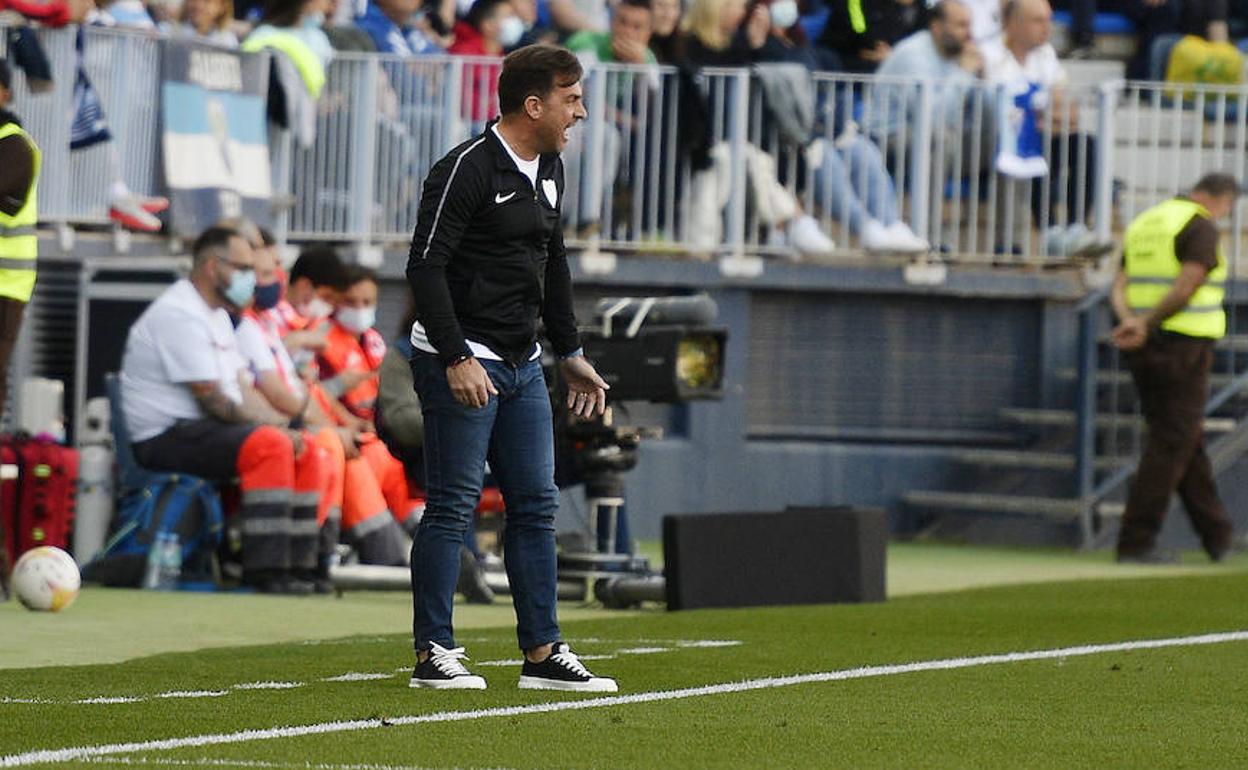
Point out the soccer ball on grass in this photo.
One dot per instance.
(46, 578)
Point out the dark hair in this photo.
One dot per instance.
(212, 243)
(535, 70)
(282, 13)
(940, 10)
(6, 74)
(643, 4)
(266, 236)
(320, 264)
(1218, 184)
(354, 274)
(481, 10)
(1008, 9)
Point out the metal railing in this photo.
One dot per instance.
(915, 151)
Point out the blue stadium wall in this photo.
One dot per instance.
(844, 385)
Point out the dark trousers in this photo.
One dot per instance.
(1171, 375)
(10, 323)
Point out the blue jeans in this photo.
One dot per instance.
(853, 184)
(515, 433)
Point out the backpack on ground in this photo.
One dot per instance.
(183, 505)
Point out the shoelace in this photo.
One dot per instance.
(448, 661)
(571, 662)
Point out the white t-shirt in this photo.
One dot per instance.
(1040, 67)
(1026, 97)
(178, 340)
(255, 350)
(985, 19)
(527, 167)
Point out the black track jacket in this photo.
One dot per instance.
(487, 257)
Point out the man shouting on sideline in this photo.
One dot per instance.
(488, 260)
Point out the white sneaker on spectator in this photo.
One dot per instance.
(876, 237)
(808, 239)
(904, 235)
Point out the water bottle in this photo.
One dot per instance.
(171, 562)
(151, 576)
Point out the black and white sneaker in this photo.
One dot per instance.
(442, 670)
(563, 670)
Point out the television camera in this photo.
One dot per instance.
(656, 349)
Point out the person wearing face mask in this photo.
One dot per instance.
(182, 397)
(353, 348)
(490, 27)
(354, 504)
(294, 29)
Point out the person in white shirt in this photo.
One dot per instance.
(182, 396)
(1033, 109)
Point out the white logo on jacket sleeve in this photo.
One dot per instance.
(500, 198)
(552, 192)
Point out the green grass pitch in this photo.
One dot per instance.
(1177, 706)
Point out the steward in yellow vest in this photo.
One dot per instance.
(19, 173)
(1168, 299)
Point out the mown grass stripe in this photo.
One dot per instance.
(48, 756)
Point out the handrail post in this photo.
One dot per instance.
(1085, 417)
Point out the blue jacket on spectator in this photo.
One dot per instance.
(392, 38)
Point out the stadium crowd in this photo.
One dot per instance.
(853, 179)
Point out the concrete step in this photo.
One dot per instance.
(1060, 418)
(1031, 460)
(1006, 505)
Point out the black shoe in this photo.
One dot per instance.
(1151, 556)
(563, 670)
(320, 583)
(1237, 546)
(277, 582)
(471, 581)
(442, 670)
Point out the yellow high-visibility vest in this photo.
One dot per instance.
(306, 62)
(1152, 265)
(19, 245)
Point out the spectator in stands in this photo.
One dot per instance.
(488, 29)
(182, 397)
(390, 24)
(207, 21)
(945, 53)
(1024, 65)
(850, 181)
(862, 33)
(340, 28)
(535, 31)
(1150, 17)
(572, 16)
(293, 29)
(627, 43)
(721, 35)
(127, 14)
(667, 41)
(90, 129)
(985, 19)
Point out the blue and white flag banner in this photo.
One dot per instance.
(216, 153)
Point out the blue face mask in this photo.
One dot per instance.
(268, 295)
(242, 288)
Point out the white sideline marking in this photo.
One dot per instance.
(112, 699)
(695, 643)
(267, 686)
(192, 694)
(257, 763)
(644, 650)
(47, 756)
(356, 676)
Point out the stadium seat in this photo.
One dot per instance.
(813, 23)
(1103, 24)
